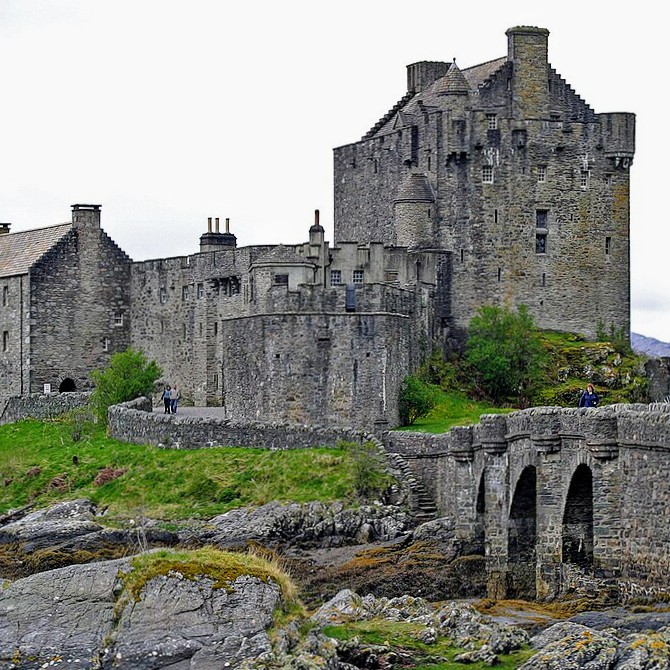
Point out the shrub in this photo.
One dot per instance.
(371, 478)
(416, 400)
(128, 376)
(505, 352)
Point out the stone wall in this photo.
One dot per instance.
(40, 406)
(598, 476)
(134, 422)
(13, 369)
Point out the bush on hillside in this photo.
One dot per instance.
(128, 376)
(416, 399)
(505, 353)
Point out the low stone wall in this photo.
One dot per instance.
(135, 422)
(41, 406)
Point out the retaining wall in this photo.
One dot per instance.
(41, 406)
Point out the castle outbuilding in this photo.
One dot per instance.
(495, 184)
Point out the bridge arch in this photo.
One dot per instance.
(522, 537)
(577, 527)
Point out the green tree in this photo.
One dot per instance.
(505, 353)
(129, 375)
(416, 399)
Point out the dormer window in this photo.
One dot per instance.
(491, 121)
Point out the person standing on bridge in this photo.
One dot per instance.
(589, 398)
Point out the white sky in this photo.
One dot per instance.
(170, 111)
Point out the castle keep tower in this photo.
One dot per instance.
(530, 188)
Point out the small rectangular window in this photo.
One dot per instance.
(584, 179)
(163, 294)
(105, 344)
(541, 218)
(491, 121)
(216, 328)
(200, 291)
(542, 174)
(487, 174)
(540, 244)
(608, 246)
(335, 277)
(281, 280)
(358, 276)
(544, 279)
(499, 274)
(5, 340)
(118, 318)
(495, 216)
(184, 292)
(5, 296)
(608, 179)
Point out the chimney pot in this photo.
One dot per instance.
(209, 224)
(227, 225)
(216, 224)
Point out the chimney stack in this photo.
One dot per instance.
(4, 228)
(86, 216)
(216, 240)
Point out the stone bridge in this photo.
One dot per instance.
(547, 493)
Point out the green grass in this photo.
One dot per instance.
(453, 409)
(160, 483)
(402, 637)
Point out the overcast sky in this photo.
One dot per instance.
(167, 112)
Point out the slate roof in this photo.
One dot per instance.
(20, 251)
(416, 188)
(454, 81)
(282, 255)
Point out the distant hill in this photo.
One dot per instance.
(649, 346)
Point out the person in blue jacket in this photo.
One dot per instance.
(589, 398)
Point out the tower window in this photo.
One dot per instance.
(118, 318)
(541, 218)
(608, 179)
(200, 291)
(608, 246)
(584, 179)
(491, 121)
(184, 292)
(5, 340)
(163, 294)
(358, 276)
(281, 280)
(335, 277)
(499, 274)
(544, 279)
(495, 216)
(487, 174)
(105, 344)
(542, 174)
(462, 255)
(540, 243)
(5, 296)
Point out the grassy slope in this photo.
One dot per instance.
(453, 409)
(36, 465)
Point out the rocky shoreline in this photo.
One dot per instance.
(68, 604)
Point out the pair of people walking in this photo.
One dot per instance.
(171, 396)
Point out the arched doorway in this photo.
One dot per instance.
(480, 519)
(578, 520)
(67, 386)
(522, 537)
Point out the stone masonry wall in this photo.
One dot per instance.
(13, 332)
(134, 422)
(40, 406)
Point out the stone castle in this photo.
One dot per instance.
(496, 184)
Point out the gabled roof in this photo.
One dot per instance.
(282, 255)
(20, 251)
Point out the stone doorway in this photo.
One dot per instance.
(67, 386)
